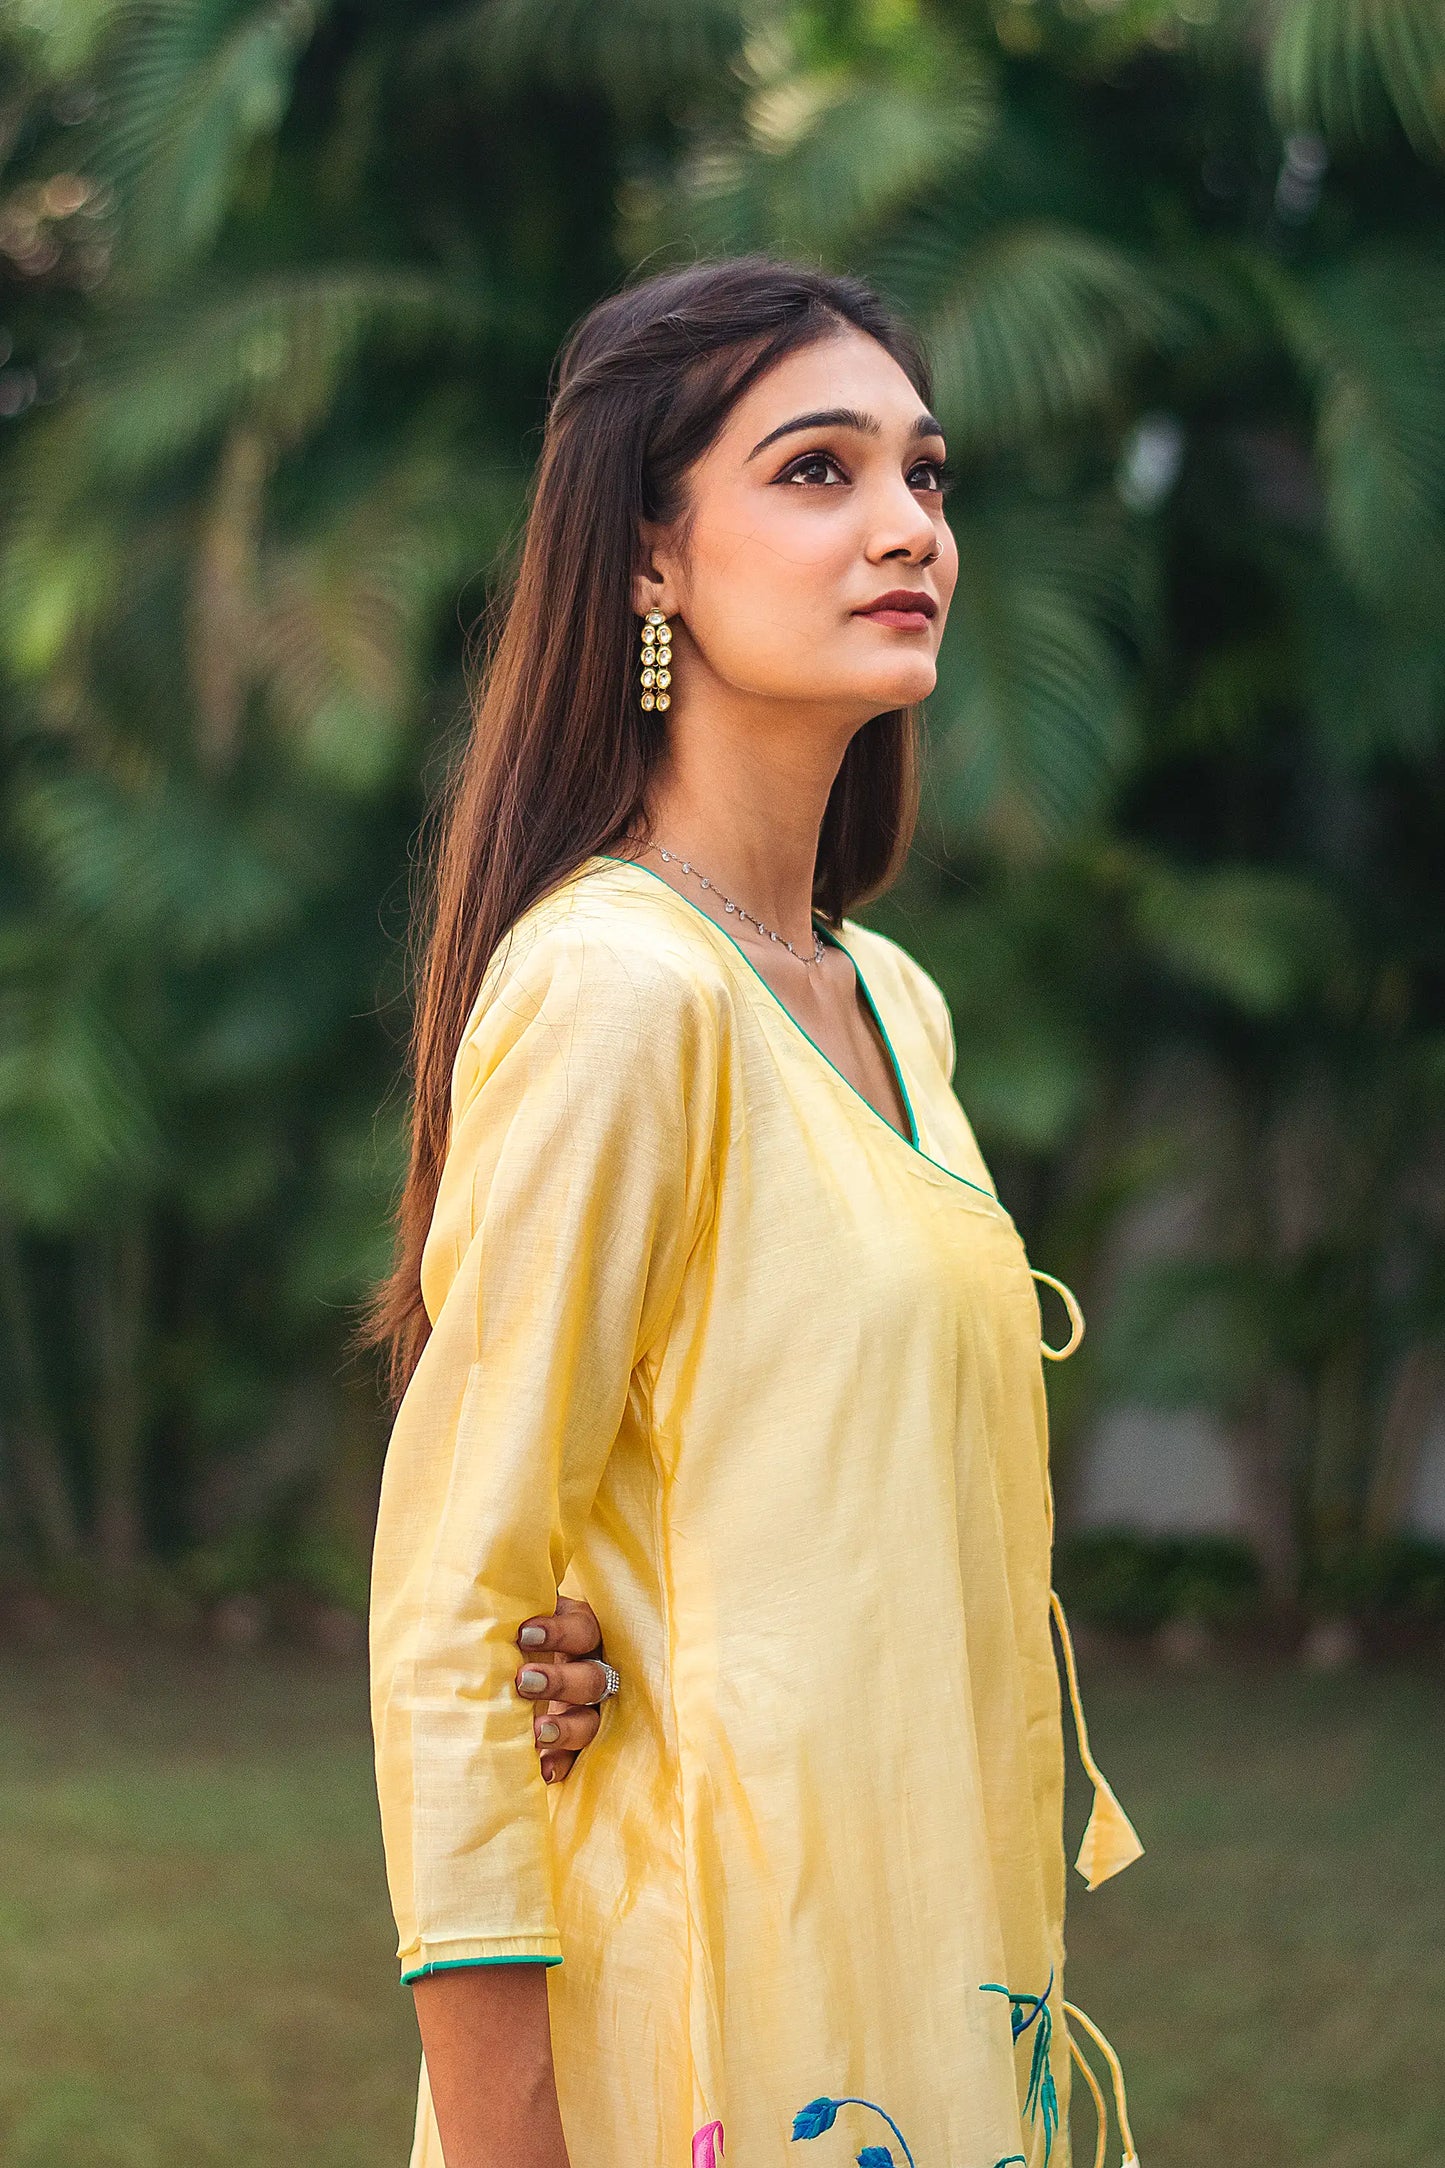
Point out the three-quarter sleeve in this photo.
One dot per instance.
(576, 1181)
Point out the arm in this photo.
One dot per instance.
(576, 1179)
(489, 2066)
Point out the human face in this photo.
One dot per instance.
(813, 566)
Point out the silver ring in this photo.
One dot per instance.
(613, 1681)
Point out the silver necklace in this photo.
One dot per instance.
(671, 858)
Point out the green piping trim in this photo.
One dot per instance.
(467, 1964)
(912, 1137)
(909, 1143)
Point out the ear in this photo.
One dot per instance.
(655, 586)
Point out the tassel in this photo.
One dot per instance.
(1111, 1841)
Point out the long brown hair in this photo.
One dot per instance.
(558, 761)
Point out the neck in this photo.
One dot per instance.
(742, 796)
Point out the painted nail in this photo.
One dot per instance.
(531, 1680)
(548, 1732)
(532, 1637)
(549, 1770)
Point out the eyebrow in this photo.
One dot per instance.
(927, 425)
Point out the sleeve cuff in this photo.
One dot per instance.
(485, 1950)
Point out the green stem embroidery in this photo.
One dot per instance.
(1042, 2097)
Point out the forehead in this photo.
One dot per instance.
(846, 369)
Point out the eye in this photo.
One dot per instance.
(932, 475)
(814, 470)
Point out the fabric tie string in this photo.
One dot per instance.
(1101, 2113)
(1111, 1841)
(1070, 1302)
(1077, 2016)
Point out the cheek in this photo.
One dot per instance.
(767, 583)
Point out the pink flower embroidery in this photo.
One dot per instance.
(707, 2144)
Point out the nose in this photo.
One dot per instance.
(903, 529)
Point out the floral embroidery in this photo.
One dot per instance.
(812, 2121)
(1042, 2097)
(821, 2114)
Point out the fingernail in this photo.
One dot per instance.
(532, 1637)
(531, 1680)
(549, 1770)
(548, 1732)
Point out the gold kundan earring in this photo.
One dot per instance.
(656, 661)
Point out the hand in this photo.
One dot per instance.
(566, 1714)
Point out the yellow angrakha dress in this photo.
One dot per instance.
(717, 1347)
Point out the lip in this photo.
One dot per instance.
(908, 609)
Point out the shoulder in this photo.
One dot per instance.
(596, 970)
(890, 969)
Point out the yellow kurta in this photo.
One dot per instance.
(721, 1350)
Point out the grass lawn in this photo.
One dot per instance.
(196, 1952)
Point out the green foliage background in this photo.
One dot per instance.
(279, 289)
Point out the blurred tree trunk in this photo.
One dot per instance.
(1265, 1441)
(220, 626)
(114, 1284)
(1338, 1474)
(1416, 1394)
(37, 1453)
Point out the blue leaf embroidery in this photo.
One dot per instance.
(820, 2114)
(1042, 2098)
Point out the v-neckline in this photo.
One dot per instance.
(889, 1054)
(908, 1139)
(911, 1143)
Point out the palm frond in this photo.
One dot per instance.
(640, 54)
(1370, 335)
(192, 85)
(145, 866)
(1029, 323)
(75, 1118)
(58, 576)
(58, 42)
(1256, 937)
(828, 155)
(167, 376)
(1346, 67)
(1033, 717)
(1370, 686)
(345, 610)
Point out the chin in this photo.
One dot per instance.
(903, 688)
(872, 692)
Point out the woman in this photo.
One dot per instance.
(704, 1301)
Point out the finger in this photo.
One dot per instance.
(569, 1728)
(571, 1629)
(548, 1680)
(555, 1767)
